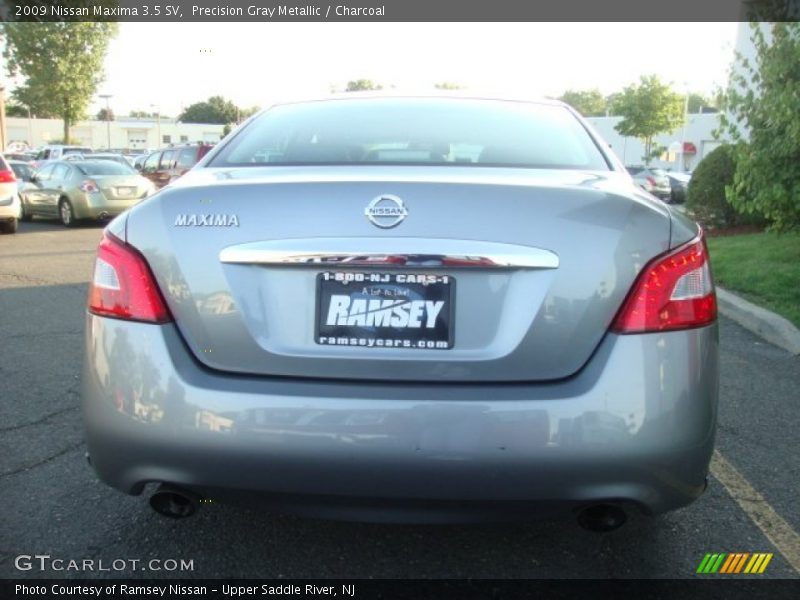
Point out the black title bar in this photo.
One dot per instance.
(399, 10)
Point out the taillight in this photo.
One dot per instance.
(651, 181)
(674, 291)
(123, 286)
(89, 186)
(7, 176)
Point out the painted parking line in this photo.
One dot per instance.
(771, 524)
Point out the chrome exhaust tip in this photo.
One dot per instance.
(173, 502)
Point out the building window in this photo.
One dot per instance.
(184, 138)
(166, 139)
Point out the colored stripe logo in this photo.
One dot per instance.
(736, 562)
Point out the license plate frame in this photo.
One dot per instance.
(397, 289)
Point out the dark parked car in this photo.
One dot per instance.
(679, 185)
(166, 165)
(405, 308)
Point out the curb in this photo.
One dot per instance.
(773, 328)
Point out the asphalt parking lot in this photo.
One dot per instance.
(53, 505)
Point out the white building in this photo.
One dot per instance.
(125, 132)
(697, 138)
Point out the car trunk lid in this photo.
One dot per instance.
(529, 266)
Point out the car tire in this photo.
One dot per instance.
(24, 215)
(9, 226)
(66, 214)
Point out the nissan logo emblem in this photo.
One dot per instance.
(386, 211)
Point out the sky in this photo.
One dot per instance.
(172, 65)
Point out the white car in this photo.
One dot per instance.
(9, 198)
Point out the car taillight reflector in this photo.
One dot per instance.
(674, 291)
(123, 286)
(7, 176)
(89, 186)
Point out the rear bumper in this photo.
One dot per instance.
(9, 208)
(636, 424)
(96, 206)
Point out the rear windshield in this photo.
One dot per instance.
(23, 172)
(105, 167)
(415, 132)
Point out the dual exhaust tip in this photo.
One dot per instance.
(174, 502)
(178, 503)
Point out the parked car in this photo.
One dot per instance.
(165, 166)
(84, 189)
(423, 308)
(24, 174)
(9, 198)
(679, 185)
(654, 181)
(20, 156)
(58, 152)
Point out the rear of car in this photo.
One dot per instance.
(162, 168)
(9, 198)
(84, 189)
(100, 189)
(653, 181)
(405, 308)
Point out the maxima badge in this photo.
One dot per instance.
(386, 211)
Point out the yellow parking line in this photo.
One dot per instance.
(771, 524)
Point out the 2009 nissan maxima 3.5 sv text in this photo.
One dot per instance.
(405, 308)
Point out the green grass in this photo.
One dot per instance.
(764, 268)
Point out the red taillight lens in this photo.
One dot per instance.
(88, 186)
(123, 286)
(651, 181)
(672, 292)
(7, 176)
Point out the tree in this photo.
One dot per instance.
(590, 103)
(16, 110)
(448, 85)
(762, 101)
(359, 85)
(214, 110)
(62, 63)
(105, 114)
(647, 109)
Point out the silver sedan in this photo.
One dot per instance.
(405, 308)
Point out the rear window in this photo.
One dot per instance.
(105, 167)
(415, 131)
(22, 172)
(187, 158)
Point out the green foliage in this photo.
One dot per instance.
(448, 85)
(649, 108)
(590, 103)
(763, 103)
(105, 114)
(360, 85)
(16, 110)
(705, 198)
(61, 62)
(214, 110)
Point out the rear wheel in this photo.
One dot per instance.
(9, 226)
(24, 215)
(65, 213)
